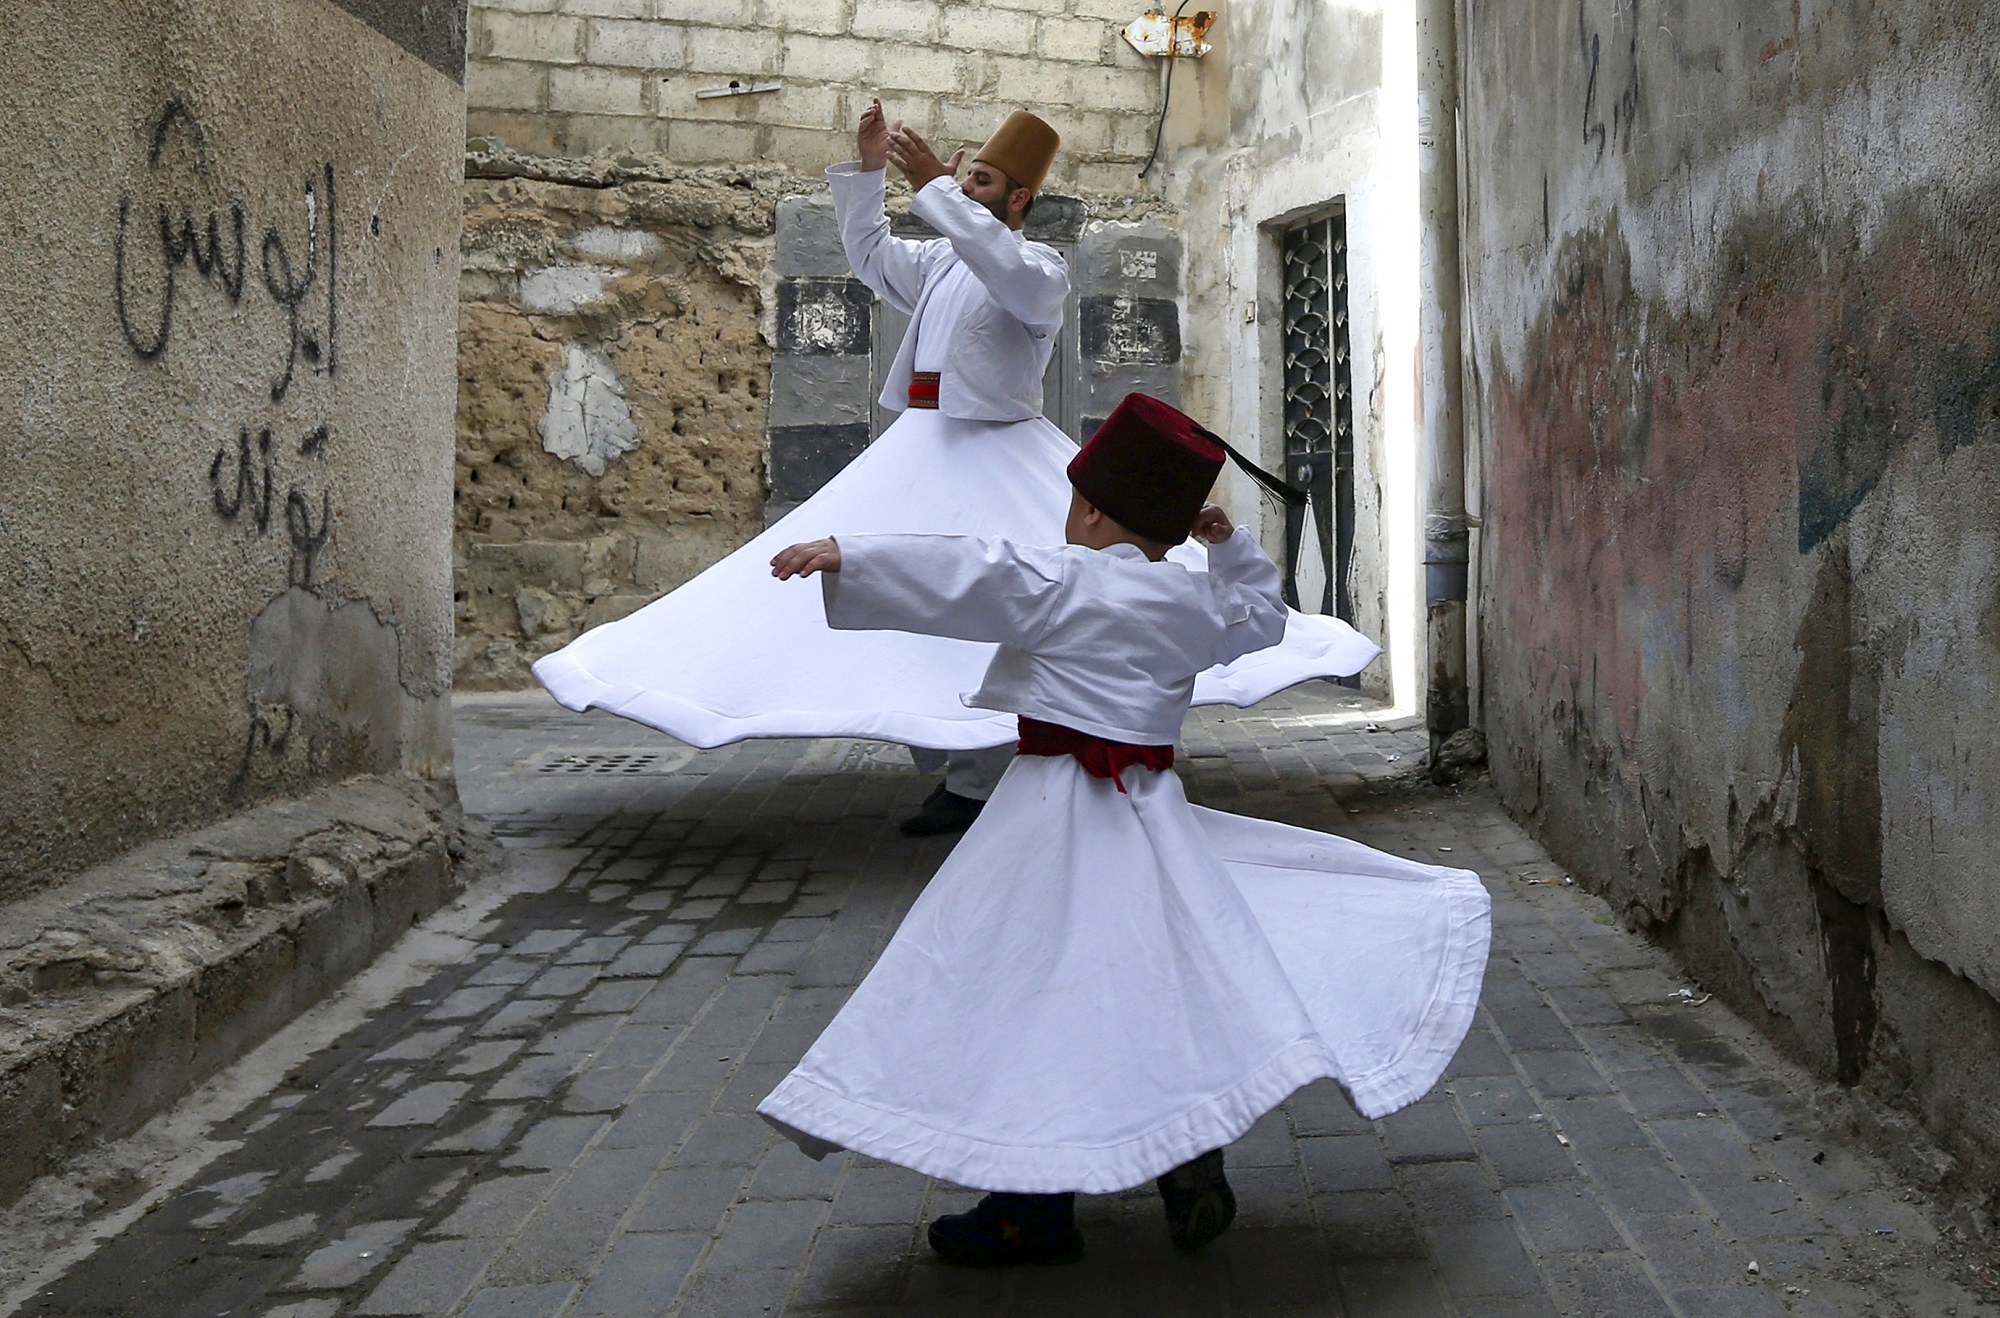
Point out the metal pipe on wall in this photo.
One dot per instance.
(1441, 429)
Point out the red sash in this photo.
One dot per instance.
(1099, 758)
(924, 390)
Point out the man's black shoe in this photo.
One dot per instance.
(943, 811)
(1200, 1205)
(1005, 1229)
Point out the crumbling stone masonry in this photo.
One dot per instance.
(612, 393)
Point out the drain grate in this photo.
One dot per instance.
(626, 762)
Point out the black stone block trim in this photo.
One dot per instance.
(1131, 331)
(824, 317)
(803, 458)
(432, 30)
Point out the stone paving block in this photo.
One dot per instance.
(1532, 1029)
(520, 1018)
(480, 1058)
(603, 1089)
(773, 958)
(1341, 1163)
(643, 961)
(615, 995)
(1525, 1153)
(541, 942)
(1444, 1192)
(1683, 1252)
(1753, 1205)
(594, 950)
(656, 1121)
(736, 1292)
(727, 1139)
(1588, 1005)
(1494, 1100)
(425, 1105)
(561, 982)
(1268, 1143)
(853, 1267)
(1659, 1092)
(1594, 1124)
(1482, 1260)
(1562, 1219)
(1739, 1301)
(420, 1046)
(1604, 1284)
(1268, 1197)
(468, 1002)
(1558, 1075)
(535, 1076)
(1635, 1181)
(1362, 1224)
(1699, 1145)
(497, 1207)
(1479, 1055)
(578, 1037)
(555, 1142)
(767, 1234)
(432, 1278)
(687, 1200)
(359, 1251)
(1619, 1048)
(1429, 1131)
(788, 1174)
(494, 1127)
(880, 1196)
(543, 1301)
(642, 1276)
(1391, 1288)
(1321, 1109)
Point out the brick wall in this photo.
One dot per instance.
(595, 77)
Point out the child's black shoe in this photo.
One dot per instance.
(943, 811)
(1200, 1205)
(1004, 1229)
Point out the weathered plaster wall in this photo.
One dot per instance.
(612, 394)
(1280, 123)
(586, 77)
(227, 322)
(1734, 354)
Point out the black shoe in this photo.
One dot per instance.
(943, 811)
(1005, 1229)
(1200, 1205)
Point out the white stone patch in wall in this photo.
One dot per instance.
(588, 422)
(560, 289)
(609, 244)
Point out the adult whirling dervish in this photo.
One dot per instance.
(731, 654)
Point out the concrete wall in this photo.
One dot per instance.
(586, 77)
(228, 323)
(1283, 122)
(1733, 361)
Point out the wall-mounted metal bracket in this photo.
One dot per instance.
(1153, 33)
(737, 87)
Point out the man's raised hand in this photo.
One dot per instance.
(911, 154)
(802, 560)
(871, 139)
(1212, 525)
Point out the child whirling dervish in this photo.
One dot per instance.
(1105, 985)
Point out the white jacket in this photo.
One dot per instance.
(1101, 640)
(1001, 342)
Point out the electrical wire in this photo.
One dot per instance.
(1166, 91)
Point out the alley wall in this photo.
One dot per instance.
(229, 335)
(1733, 358)
(1279, 126)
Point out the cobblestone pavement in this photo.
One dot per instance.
(563, 1124)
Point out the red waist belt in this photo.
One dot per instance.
(924, 390)
(1099, 758)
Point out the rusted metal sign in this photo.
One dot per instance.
(1153, 33)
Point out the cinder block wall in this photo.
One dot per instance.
(587, 77)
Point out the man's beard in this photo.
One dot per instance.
(999, 208)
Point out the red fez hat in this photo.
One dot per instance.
(1149, 468)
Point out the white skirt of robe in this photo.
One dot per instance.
(1097, 987)
(735, 653)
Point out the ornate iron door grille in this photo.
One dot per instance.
(1319, 408)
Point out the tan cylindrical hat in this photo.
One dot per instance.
(1023, 148)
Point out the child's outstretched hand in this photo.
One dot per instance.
(1213, 525)
(803, 560)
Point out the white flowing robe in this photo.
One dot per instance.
(735, 654)
(1100, 985)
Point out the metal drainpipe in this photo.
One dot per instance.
(1446, 538)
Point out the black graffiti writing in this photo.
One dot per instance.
(247, 489)
(1625, 105)
(1593, 124)
(314, 444)
(307, 539)
(270, 732)
(290, 291)
(299, 271)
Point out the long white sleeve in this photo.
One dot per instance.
(895, 268)
(955, 586)
(1029, 282)
(1248, 594)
